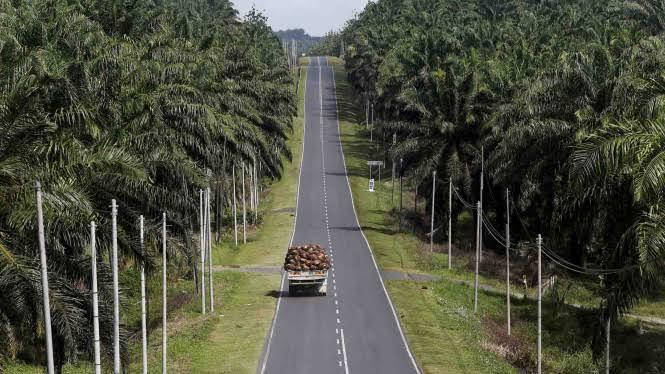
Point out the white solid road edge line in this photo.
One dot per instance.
(346, 363)
(295, 220)
(369, 248)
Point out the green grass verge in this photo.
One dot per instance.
(443, 333)
(230, 341)
(442, 330)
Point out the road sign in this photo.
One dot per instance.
(371, 185)
(375, 163)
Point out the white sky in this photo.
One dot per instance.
(315, 16)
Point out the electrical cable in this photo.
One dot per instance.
(464, 202)
(567, 264)
(501, 242)
(486, 223)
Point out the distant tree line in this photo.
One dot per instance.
(304, 41)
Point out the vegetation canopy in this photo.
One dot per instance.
(565, 97)
(140, 101)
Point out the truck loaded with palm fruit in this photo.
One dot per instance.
(307, 269)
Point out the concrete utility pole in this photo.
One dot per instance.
(257, 173)
(392, 193)
(415, 208)
(450, 224)
(431, 231)
(508, 258)
(256, 194)
(116, 297)
(244, 210)
(371, 125)
(235, 210)
(475, 281)
(540, 306)
(607, 345)
(482, 184)
(400, 194)
(95, 300)
(203, 252)
(251, 188)
(366, 113)
(210, 280)
(45, 288)
(164, 299)
(144, 326)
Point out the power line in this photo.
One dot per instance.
(549, 253)
(501, 242)
(556, 258)
(464, 202)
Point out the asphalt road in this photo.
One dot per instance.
(354, 328)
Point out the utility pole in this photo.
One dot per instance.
(366, 112)
(400, 194)
(256, 194)
(144, 326)
(415, 208)
(475, 281)
(235, 210)
(540, 305)
(450, 224)
(431, 232)
(508, 258)
(392, 193)
(607, 344)
(116, 297)
(371, 126)
(244, 209)
(45, 288)
(210, 280)
(203, 252)
(250, 171)
(164, 300)
(482, 184)
(95, 300)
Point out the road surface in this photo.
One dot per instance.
(354, 329)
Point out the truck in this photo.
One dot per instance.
(315, 281)
(306, 268)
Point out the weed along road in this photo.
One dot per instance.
(354, 329)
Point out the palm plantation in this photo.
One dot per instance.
(566, 98)
(148, 102)
(138, 101)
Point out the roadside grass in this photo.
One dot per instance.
(230, 341)
(443, 333)
(442, 330)
(15, 367)
(653, 306)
